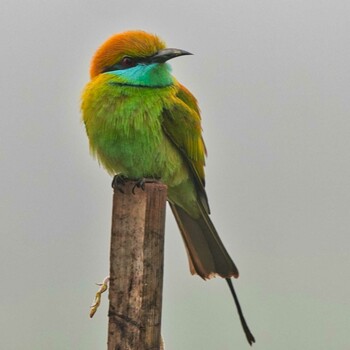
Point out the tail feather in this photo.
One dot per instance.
(206, 252)
(248, 333)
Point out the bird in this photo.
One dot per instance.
(143, 124)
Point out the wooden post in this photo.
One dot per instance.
(136, 267)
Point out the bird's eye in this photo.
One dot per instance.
(127, 62)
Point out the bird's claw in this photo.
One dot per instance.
(118, 182)
(140, 183)
(97, 300)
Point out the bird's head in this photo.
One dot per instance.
(136, 57)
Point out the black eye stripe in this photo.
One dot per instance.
(127, 62)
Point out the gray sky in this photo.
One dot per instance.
(272, 79)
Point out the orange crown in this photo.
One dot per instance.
(133, 43)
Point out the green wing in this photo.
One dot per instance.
(182, 124)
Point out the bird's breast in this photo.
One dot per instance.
(124, 128)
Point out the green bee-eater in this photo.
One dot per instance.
(142, 123)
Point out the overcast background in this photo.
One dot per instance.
(272, 79)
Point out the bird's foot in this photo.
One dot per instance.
(140, 183)
(97, 300)
(118, 182)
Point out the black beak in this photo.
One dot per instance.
(166, 54)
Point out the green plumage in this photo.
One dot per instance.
(142, 123)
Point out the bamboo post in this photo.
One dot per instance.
(136, 267)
